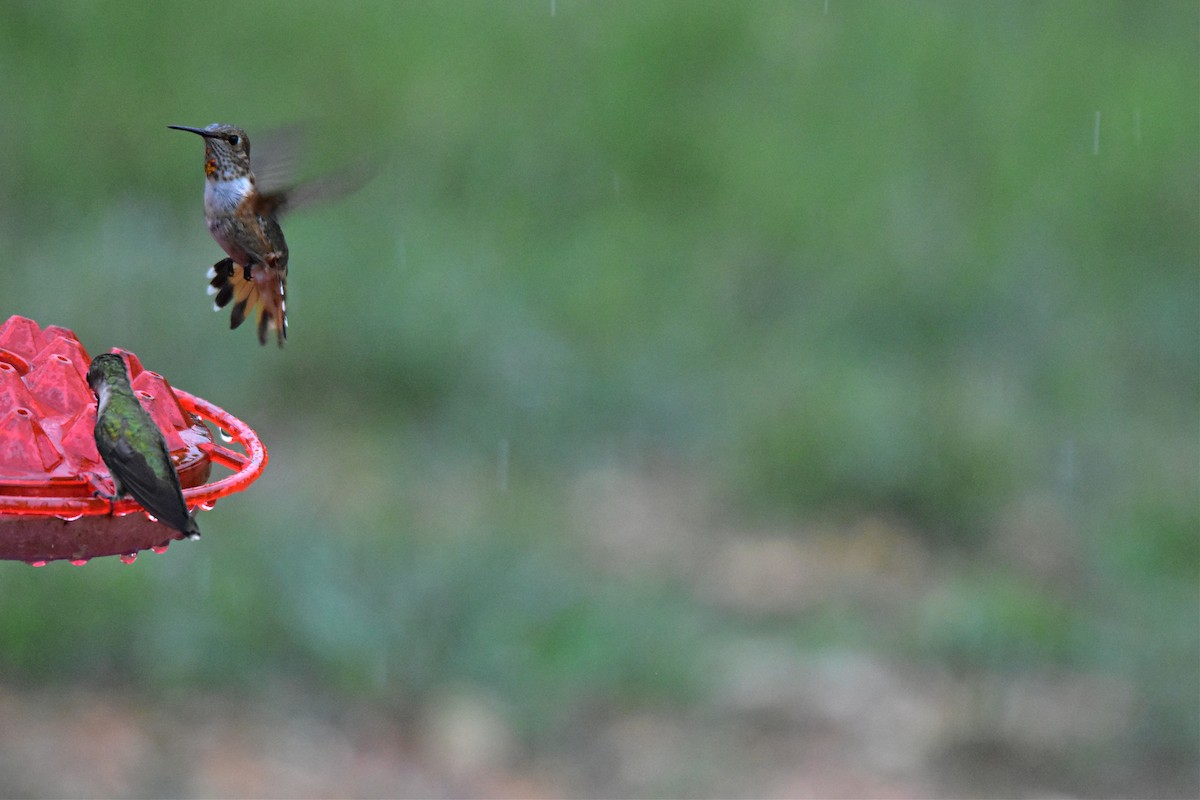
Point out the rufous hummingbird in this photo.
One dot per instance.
(245, 222)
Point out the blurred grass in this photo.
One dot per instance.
(827, 265)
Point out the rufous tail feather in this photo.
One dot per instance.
(260, 286)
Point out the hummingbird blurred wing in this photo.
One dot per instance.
(276, 157)
(325, 189)
(159, 494)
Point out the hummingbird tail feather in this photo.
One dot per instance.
(272, 304)
(220, 283)
(261, 286)
(191, 530)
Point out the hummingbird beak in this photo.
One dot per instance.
(200, 131)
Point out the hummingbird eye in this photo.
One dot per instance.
(234, 139)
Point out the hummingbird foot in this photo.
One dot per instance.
(111, 498)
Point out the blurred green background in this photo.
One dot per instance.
(765, 398)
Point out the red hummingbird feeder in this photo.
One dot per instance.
(49, 466)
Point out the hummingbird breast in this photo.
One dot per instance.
(244, 235)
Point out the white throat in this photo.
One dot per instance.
(224, 196)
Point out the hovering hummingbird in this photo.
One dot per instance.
(134, 449)
(245, 222)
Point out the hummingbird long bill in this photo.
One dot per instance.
(133, 447)
(244, 221)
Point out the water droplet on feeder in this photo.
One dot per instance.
(225, 435)
(208, 505)
(37, 563)
(70, 519)
(159, 548)
(79, 562)
(129, 558)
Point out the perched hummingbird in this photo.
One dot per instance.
(134, 449)
(245, 222)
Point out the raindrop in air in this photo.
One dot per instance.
(502, 466)
(1066, 462)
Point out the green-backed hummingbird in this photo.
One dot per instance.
(134, 449)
